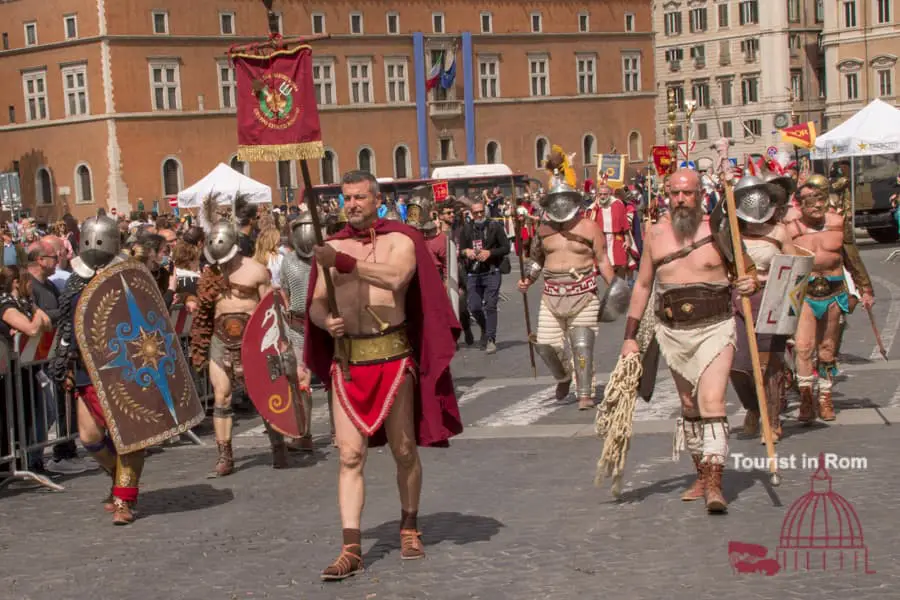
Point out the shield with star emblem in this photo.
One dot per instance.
(779, 310)
(131, 352)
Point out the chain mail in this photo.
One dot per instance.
(295, 279)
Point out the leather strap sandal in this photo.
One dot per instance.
(347, 564)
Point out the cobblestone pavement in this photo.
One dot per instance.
(501, 519)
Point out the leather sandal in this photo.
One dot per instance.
(410, 545)
(347, 564)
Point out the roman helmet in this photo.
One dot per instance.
(562, 202)
(418, 214)
(779, 186)
(221, 243)
(817, 182)
(100, 241)
(303, 234)
(752, 199)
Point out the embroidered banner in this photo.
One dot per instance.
(276, 104)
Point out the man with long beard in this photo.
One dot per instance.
(827, 294)
(611, 215)
(696, 328)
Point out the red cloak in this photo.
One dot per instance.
(427, 310)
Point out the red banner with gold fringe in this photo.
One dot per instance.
(276, 104)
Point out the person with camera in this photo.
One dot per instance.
(485, 249)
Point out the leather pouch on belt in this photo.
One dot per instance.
(693, 307)
(229, 328)
(822, 287)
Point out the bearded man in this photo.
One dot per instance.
(611, 215)
(827, 295)
(696, 327)
(568, 251)
(395, 319)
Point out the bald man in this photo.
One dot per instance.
(695, 329)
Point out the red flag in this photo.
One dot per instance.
(662, 159)
(803, 135)
(440, 191)
(276, 105)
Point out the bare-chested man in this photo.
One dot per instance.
(228, 293)
(392, 345)
(696, 328)
(827, 296)
(569, 251)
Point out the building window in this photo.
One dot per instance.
(71, 25)
(492, 153)
(797, 86)
(752, 127)
(820, 11)
(750, 90)
(852, 82)
(749, 12)
(401, 163)
(698, 20)
(820, 76)
(635, 151)
(446, 149)
(489, 77)
(885, 83)
(165, 83)
(437, 22)
(160, 22)
(35, 85)
(171, 171)
(227, 89)
(537, 23)
(285, 174)
(629, 22)
(631, 72)
(698, 53)
(588, 148)
(238, 165)
(540, 76)
(75, 90)
(678, 93)
(700, 93)
(725, 91)
(323, 81)
(850, 13)
(360, 81)
(487, 22)
(727, 129)
(674, 55)
(750, 47)
(541, 151)
(279, 23)
(365, 160)
(356, 23)
(31, 37)
(43, 186)
(702, 131)
(793, 11)
(584, 22)
(672, 22)
(723, 15)
(226, 23)
(5, 41)
(11, 113)
(884, 11)
(586, 69)
(318, 23)
(393, 23)
(84, 188)
(395, 76)
(329, 167)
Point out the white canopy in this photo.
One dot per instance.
(463, 171)
(873, 130)
(228, 183)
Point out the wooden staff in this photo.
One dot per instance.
(775, 477)
(521, 253)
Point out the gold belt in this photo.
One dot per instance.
(392, 344)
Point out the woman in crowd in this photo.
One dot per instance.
(150, 249)
(186, 258)
(267, 254)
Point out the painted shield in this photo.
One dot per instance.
(779, 311)
(452, 282)
(270, 367)
(134, 360)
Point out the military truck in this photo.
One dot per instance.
(876, 181)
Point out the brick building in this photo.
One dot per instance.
(122, 104)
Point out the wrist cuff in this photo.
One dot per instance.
(631, 328)
(344, 263)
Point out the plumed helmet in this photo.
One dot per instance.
(780, 187)
(99, 241)
(303, 235)
(562, 202)
(221, 243)
(752, 200)
(418, 213)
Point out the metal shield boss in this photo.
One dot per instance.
(615, 300)
(131, 352)
(270, 369)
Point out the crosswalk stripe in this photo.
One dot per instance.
(525, 412)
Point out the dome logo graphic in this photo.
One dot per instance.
(820, 532)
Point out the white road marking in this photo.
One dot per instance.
(475, 392)
(525, 412)
(892, 322)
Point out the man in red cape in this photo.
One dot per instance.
(397, 333)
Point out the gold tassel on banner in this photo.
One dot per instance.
(304, 151)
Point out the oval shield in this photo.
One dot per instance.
(132, 355)
(270, 367)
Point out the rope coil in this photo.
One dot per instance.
(615, 420)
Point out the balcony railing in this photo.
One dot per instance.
(445, 109)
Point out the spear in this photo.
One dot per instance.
(521, 253)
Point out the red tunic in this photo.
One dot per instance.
(613, 220)
(437, 246)
(432, 329)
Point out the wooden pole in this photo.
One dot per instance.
(521, 254)
(751, 336)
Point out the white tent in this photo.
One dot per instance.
(228, 183)
(873, 130)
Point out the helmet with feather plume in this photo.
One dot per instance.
(221, 231)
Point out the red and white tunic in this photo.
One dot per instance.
(613, 220)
